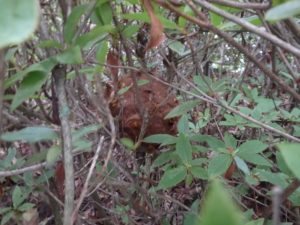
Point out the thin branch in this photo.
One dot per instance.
(248, 26)
(87, 181)
(22, 170)
(242, 5)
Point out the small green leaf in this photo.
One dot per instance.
(191, 217)
(256, 159)
(101, 54)
(184, 149)
(291, 155)
(177, 47)
(162, 159)
(230, 141)
(124, 90)
(53, 155)
(6, 217)
(182, 109)
(283, 11)
(219, 208)
(128, 143)
(18, 20)
(219, 164)
(25, 207)
(241, 164)
(172, 177)
(29, 86)
(4, 210)
(142, 82)
(30, 134)
(251, 147)
(72, 21)
(70, 56)
(199, 172)
(163, 139)
(17, 197)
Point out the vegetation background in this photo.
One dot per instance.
(232, 68)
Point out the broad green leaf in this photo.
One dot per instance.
(101, 55)
(18, 20)
(163, 139)
(6, 218)
(53, 155)
(199, 172)
(46, 66)
(17, 197)
(230, 141)
(127, 142)
(104, 13)
(30, 134)
(72, 21)
(177, 47)
(172, 177)
(184, 149)
(4, 210)
(191, 217)
(256, 159)
(182, 109)
(219, 208)
(162, 159)
(241, 164)
(25, 207)
(219, 164)
(29, 86)
(50, 44)
(96, 34)
(278, 179)
(291, 155)
(283, 11)
(70, 56)
(251, 147)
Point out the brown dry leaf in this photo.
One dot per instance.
(157, 30)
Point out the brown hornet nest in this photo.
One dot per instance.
(156, 99)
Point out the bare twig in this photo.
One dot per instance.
(277, 191)
(85, 186)
(22, 170)
(242, 5)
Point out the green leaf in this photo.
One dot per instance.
(17, 197)
(291, 155)
(182, 108)
(70, 56)
(94, 35)
(25, 207)
(177, 47)
(4, 210)
(46, 65)
(230, 141)
(163, 139)
(219, 164)
(72, 21)
(30, 134)
(18, 20)
(199, 172)
(6, 218)
(84, 131)
(172, 177)
(101, 55)
(283, 11)
(29, 86)
(256, 222)
(128, 143)
(53, 155)
(219, 208)
(162, 159)
(104, 13)
(251, 147)
(184, 149)
(241, 164)
(256, 159)
(191, 216)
